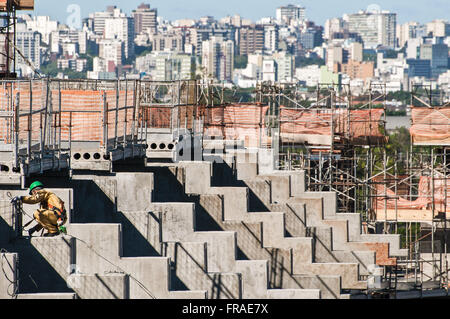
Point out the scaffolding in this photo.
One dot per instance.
(340, 141)
(50, 125)
(328, 133)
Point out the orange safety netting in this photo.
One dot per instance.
(424, 198)
(245, 122)
(431, 126)
(19, 92)
(87, 109)
(83, 109)
(300, 125)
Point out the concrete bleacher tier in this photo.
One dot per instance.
(195, 230)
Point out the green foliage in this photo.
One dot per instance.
(396, 113)
(399, 141)
(370, 57)
(92, 49)
(302, 62)
(142, 50)
(240, 61)
(51, 70)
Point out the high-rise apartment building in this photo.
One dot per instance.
(29, 44)
(271, 38)
(166, 66)
(218, 58)
(439, 28)
(111, 51)
(251, 39)
(335, 25)
(98, 19)
(121, 27)
(173, 42)
(286, 14)
(145, 19)
(406, 31)
(335, 54)
(375, 28)
(43, 25)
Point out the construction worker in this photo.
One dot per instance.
(51, 215)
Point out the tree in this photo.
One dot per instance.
(240, 61)
(302, 62)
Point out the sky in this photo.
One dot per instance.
(316, 10)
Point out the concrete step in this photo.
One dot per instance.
(99, 251)
(177, 236)
(234, 203)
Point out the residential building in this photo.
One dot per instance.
(98, 19)
(43, 25)
(356, 69)
(335, 54)
(309, 75)
(438, 28)
(218, 58)
(290, 13)
(172, 42)
(121, 27)
(145, 19)
(29, 44)
(166, 66)
(251, 39)
(112, 52)
(375, 28)
(285, 66)
(271, 38)
(437, 53)
(335, 25)
(310, 38)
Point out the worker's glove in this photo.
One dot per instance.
(16, 200)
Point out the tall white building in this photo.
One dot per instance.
(375, 28)
(43, 25)
(218, 58)
(407, 31)
(111, 51)
(335, 54)
(356, 51)
(64, 37)
(289, 13)
(29, 44)
(332, 26)
(439, 28)
(271, 38)
(98, 20)
(121, 27)
(166, 66)
(285, 64)
(413, 48)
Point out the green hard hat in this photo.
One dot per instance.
(34, 185)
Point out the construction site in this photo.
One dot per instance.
(174, 191)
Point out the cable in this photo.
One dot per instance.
(13, 283)
(147, 291)
(93, 250)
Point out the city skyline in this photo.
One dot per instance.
(316, 11)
